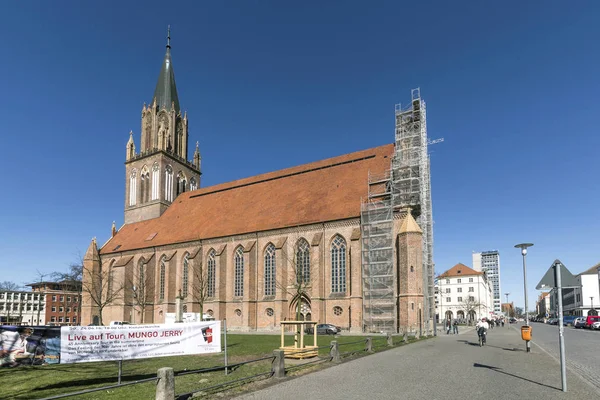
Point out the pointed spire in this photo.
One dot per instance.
(114, 229)
(197, 157)
(130, 147)
(165, 93)
(92, 251)
(409, 225)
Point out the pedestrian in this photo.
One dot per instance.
(455, 326)
(503, 323)
(448, 326)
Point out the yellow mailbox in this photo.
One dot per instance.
(526, 332)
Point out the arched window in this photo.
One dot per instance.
(181, 183)
(169, 183)
(155, 181)
(193, 185)
(210, 292)
(185, 276)
(270, 270)
(239, 272)
(141, 278)
(145, 186)
(111, 280)
(338, 265)
(161, 283)
(133, 187)
(303, 262)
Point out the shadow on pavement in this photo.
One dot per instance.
(496, 369)
(489, 345)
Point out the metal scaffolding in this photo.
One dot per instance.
(411, 185)
(377, 225)
(407, 184)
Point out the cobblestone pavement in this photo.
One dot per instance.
(581, 348)
(442, 368)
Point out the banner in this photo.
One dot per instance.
(129, 342)
(29, 345)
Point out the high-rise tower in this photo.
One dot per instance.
(156, 175)
(488, 262)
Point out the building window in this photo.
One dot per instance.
(67, 319)
(338, 265)
(53, 319)
(447, 280)
(459, 299)
(471, 289)
(53, 297)
(181, 183)
(60, 319)
(337, 310)
(211, 274)
(185, 277)
(169, 183)
(53, 309)
(270, 312)
(68, 309)
(193, 185)
(459, 290)
(184, 308)
(62, 298)
(155, 181)
(60, 309)
(68, 299)
(303, 262)
(161, 292)
(74, 310)
(458, 280)
(470, 279)
(471, 298)
(270, 270)
(239, 272)
(74, 320)
(448, 299)
(132, 187)
(145, 186)
(447, 290)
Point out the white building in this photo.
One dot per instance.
(22, 308)
(581, 300)
(488, 262)
(463, 293)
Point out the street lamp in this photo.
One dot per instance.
(523, 247)
(507, 317)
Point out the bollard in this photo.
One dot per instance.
(334, 353)
(405, 339)
(165, 387)
(390, 339)
(278, 364)
(369, 347)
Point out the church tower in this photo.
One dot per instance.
(160, 171)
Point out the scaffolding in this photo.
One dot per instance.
(407, 184)
(377, 233)
(411, 185)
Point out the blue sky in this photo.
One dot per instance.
(512, 87)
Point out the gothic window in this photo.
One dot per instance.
(155, 182)
(185, 276)
(169, 183)
(145, 184)
(193, 185)
(239, 272)
(111, 279)
(141, 279)
(270, 270)
(161, 285)
(210, 292)
(132, 187)
(303, 262)
(181, 183)
(338, 265)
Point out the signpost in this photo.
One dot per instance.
(557, 276)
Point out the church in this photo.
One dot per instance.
(344, 241)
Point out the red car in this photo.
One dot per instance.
(590, 319)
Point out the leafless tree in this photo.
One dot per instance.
(299, 277)
(70, 281)
(198, 289)
(471, 305)
(100, 287)
(9, 286)
(142, 285)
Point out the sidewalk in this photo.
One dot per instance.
(445, 367)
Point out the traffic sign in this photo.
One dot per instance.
(549, 279)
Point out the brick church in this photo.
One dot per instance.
(240, 250)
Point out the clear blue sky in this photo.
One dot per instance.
(511, 86)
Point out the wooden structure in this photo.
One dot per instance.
(299, 350)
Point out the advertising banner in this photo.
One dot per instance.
(130, 342)
(40, 345)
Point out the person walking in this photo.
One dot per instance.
(455, 327)
(448, 327)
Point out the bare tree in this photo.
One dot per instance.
(471, 305)
(142, 285)
(100, 286)
(70, 281)
(9, 286)
(199, 286)
(299, 278)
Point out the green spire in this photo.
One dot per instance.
(166, 91)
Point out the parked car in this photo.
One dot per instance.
(569, 320)
(579, 322)
(325, 329)
(590, 319)
(596, 325)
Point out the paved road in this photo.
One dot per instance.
(444, 368)
(582, 348)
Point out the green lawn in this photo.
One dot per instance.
(43, 381)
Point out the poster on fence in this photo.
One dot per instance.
(29, 345)
(130, 342)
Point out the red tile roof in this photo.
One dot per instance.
(326, 190)
(459, 270)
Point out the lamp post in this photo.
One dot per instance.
(507, 317)
(523, 247)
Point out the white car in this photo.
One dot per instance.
(596, 325)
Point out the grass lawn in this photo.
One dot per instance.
(43, 381)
